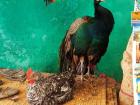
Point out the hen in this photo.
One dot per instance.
(52, 90)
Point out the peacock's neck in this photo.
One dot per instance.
(101, 12)
(97, 7)
(97, 11)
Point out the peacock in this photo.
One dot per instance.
(83, 48)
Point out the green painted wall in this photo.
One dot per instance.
(31, 33)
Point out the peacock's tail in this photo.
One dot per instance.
(66, 48)
(65, 55)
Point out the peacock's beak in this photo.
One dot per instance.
(100, 0)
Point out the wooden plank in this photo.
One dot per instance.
(111, 92)
(96, 92)
(17, 85)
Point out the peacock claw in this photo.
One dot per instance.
(79, 71)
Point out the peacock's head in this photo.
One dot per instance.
(32, 76)
(98, 1)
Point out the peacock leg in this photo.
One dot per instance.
(75, 59)
(88, 72)
(75, 62)
(90, 65)
(81, 67)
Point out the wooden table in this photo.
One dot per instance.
(102, 93)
